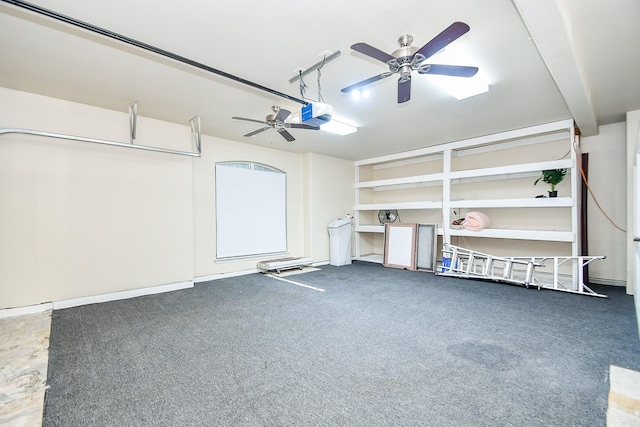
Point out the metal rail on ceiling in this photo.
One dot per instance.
(145, 46)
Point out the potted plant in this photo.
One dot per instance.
(552, 177)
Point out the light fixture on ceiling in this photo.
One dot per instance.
(459, 88)
(337, 127)
(358, 94)
(334, 126)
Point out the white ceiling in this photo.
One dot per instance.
(546, 60)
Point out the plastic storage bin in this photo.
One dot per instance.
(340, 241)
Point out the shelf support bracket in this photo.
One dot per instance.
(133, 119)
(196, 133)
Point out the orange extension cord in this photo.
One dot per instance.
(586, 182)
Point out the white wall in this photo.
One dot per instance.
(633, 253)
(80, 219)
(318, 189)
(204, 199)
(329, 195)
(608, 181)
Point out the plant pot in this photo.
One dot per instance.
(553, 194)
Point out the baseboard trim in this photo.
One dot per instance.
(75, 302)
(607, 282)
(320, 263)
(22, 311)
(219, 276)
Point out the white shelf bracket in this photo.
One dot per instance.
(133, 120)
(196, 133)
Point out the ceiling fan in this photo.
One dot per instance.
(277, 121)
(407, 59)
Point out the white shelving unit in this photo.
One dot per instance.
(494, 172)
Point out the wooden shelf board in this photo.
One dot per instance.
(399, 206)
(548, 202)
(377, 258)
(370, 229)
(400, 181)
(498, 233)
(512, 169)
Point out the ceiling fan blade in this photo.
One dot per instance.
(255, 132)
(262, 122)
(372, 52)
(404, 90)
(451, 33)
(282, 115)
(448, 70)
(301, 126)
(286, 135)
(365, 82)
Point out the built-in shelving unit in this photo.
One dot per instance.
(493, 173)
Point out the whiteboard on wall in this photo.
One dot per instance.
(251, 212)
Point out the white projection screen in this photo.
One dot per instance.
(251, 212)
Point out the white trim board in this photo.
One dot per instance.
(224, 275)
(92, 299)
(241, 273)
(75, 302)
(23, 311)
(607, 282)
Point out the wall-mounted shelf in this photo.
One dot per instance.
(513, 169)
(370, 228)
(400, 181)
(399, 205)
(493, 172)
(553, 202)
(497, 233)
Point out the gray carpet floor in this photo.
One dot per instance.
(379, 347)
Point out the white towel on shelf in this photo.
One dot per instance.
(475, 221)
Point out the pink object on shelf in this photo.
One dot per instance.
(475, 221)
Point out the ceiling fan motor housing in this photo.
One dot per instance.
(406, 50)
